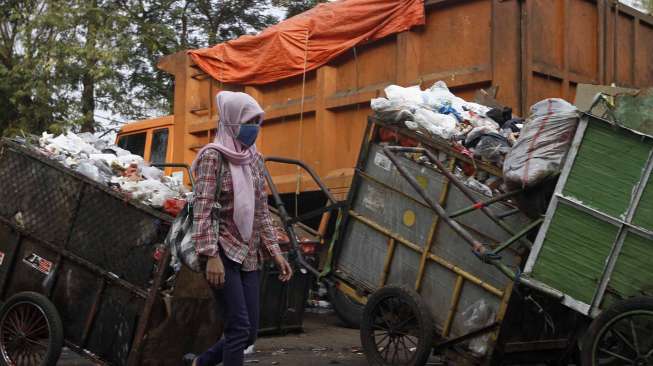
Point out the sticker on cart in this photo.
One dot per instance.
(374, 200)
(38, 263)
(2, 258)
(383, 161)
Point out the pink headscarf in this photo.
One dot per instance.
(237, 108)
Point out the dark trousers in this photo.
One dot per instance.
(239, 301)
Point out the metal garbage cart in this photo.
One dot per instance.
(405, 262)
(79, 265)
(83, 267)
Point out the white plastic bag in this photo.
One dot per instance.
(393, 111)
(107, 158)
(150, 172)
(437, 124)
(542, 144)
(438, 96)
(89, 169)
(411, 94)
(476, 316)
(126, 160)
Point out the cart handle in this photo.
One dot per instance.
(285, 217)
(308, 169)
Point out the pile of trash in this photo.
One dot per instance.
(484, 133)
(113, 166)
(436, 112)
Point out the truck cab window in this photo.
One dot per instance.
(159, 146)
(134, 143)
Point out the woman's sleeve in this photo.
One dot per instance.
(204, 237)
(263, 218)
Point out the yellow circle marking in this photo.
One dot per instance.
(409, 218)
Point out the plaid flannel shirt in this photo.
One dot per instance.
(229, 239)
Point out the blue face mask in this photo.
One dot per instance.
(248, 133)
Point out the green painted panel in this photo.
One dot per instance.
(609, 164)
(574, 253)
(633, 273)
(644, 214)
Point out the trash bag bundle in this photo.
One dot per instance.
(542, 144)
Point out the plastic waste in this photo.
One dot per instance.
(500, 115)
(104, 169)
(476, 316)
(478, 186)
(109, 164)
(67, 143)
(89, 169)
(542, 144)
(150, 172)
(127, 160)
(411, 94)
(492, 147)
(450, 110)
(412, 125)
(108, 158)
(437, 124)
(393, 111)
(513, 125)
(173, 206)
(479, 120)
(438, 96)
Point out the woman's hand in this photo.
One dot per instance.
(284, 268)
(215, 271)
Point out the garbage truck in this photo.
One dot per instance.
(520, 51)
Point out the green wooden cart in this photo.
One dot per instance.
(596, 243)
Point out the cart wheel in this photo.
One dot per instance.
(621, 335)
(397, 328)
(31, 333)
(349, 311)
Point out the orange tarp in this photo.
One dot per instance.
(307, 41)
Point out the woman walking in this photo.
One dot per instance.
(232, 166)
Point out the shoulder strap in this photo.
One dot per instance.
(218, 178)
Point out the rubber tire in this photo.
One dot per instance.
(424, 319)
(348, 310)
(638, 303)
(56, 340)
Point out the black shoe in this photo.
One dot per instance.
(188, 359)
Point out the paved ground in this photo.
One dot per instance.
(323, 342)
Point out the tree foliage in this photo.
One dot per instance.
(294, 7)
(62, 61)
(648, 5)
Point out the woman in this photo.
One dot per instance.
(246, 234)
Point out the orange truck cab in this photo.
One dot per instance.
(150, 138)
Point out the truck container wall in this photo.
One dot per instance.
(528, 50)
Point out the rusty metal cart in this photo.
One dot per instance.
(436, 280)
(79, 265)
